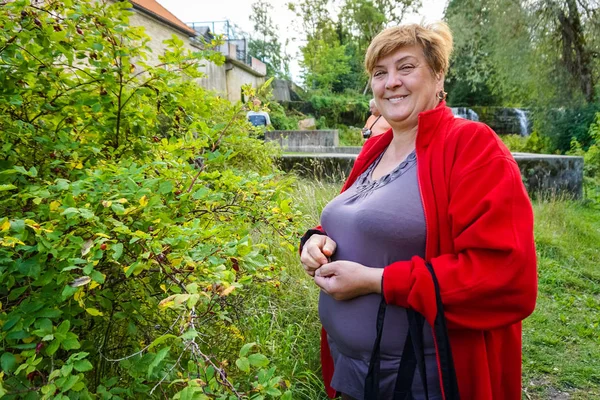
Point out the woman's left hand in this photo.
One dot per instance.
(345, 280)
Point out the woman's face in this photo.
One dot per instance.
(403, 86)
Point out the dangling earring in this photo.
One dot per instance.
(442, 95)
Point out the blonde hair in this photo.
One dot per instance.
(435, 39)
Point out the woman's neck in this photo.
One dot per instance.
(403, 141)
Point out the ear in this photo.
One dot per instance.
(440, 77)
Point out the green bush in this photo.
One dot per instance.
(591, 161)
(534, 143)
(132, 199)
(350, 136)
(346, 109)
(561, 126)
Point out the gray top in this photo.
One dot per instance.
(375, 223)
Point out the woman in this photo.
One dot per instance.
(376, 124)
(434, 203)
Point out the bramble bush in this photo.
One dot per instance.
(131, 201)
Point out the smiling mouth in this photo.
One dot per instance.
(396, 99)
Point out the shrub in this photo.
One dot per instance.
(131, 200)
(591, 161)
(564, 125)
(534, 143)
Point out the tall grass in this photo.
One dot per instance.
(561, 340)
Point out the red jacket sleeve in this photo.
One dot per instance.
(489, 280)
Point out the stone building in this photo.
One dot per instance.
(226, 79)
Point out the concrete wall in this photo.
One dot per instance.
(159, 32)
(236, 77)
(226, 79)
(294, 140)
(543, 175)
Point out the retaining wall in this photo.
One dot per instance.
(294, 140)
(543, 175)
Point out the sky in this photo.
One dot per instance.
(238, 12)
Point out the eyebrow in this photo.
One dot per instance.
(399, 61)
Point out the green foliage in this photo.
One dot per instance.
(534, 143)
(350, 136)
(324, 63)
(132, 198)
(332, 110)
(563, 125)
(591, 161)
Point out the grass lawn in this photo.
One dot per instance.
(561, 340)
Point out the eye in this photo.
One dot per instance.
(406, 67)
(378, 73)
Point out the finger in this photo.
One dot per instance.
(321, 283)
(316, 254)
(308, 262)
(329, 246)
(326, 270)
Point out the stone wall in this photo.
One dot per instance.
(543, 175)
(294, 140)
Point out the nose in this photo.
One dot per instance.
(393, 80)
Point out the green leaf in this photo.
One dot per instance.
(117, 250)
(287, 395)
(83, 365)
(157, 359)
(258, 360)
(52, 347)
(64, 327)
(8, 362)
(11, 322)
(246, 348)
(165, 187)
(7, 187)
(243, 364)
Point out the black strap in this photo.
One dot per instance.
(373, 124)
(412, 355)
(449, 382)
(373, 374)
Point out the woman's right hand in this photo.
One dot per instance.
(315, 252)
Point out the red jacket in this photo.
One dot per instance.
(480, 243)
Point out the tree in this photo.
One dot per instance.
(264, 43)
(564, 21)
(131, 198)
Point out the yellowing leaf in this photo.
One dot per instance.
(86, 247)
(94, 285)
(163, 287)
(79, 165)
(144, 201)
(93, 312)
(122, 200)
(81, 281)
(29, 339)
(5, 226)
(106, 203)
(54, 205)
(167, 301)
(9, 241)
(228, 291)
(102, 235)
